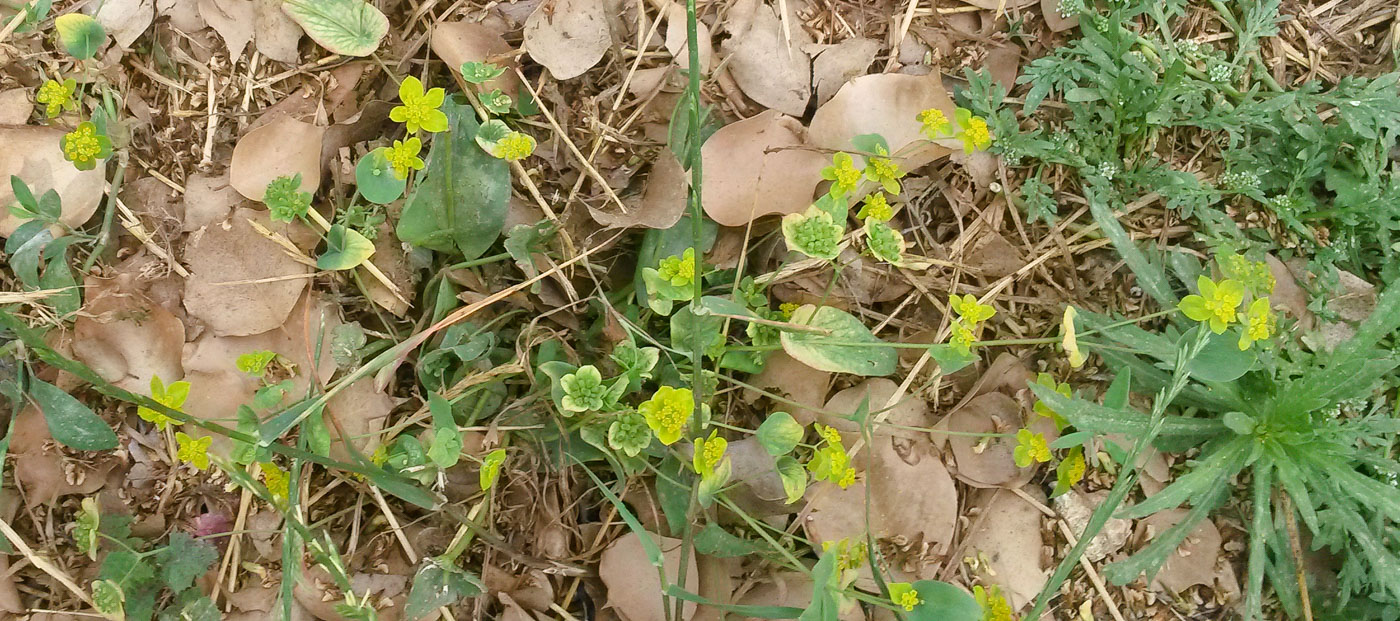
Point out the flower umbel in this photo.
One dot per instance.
(962, 337)
(935, 124)
(813, 233)
(85, 145)
(830, 462)
(419, 109)
(515, 146)
(993, 603)
(1216, 304)
(277, 480)
(194, 451)
(584, 390)
(1259, 323)
(876, 207)
(172, 396)
(884, 171)
(679, 271)
(904, 595)
(967, 307)
(1254, 275)
(403, 156)
(57, 96)
(843, 174)
(1030, 447)
(708, 453)
(885, 242)
(975, 133)
(667, 412)
(629, 433)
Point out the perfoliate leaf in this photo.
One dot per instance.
(80, 35)
(346, 249)
(779, 433)
(848, 348)
(375, 178)
(794, 478)
(348, 27)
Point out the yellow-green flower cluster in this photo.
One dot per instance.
(1030, 447)
(934, 124)
(403, 156)
(85, 145)
(843, 174)
(993, 603)
(679, 271)
(172, 396)
(57, 97)
(849, 556)
(876, 207)
(708, 453)
(277, 480)
(1218, 304)
(515, 146)
(884, 171)
(419, 109)
(972, 130)
(1256, 276)
(193, 451)
(905, 595)
(830, 462)
(969, 315)
(667, 412)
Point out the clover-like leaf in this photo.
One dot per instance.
(347, 27)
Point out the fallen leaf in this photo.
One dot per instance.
(872, 395)
(457, 43)
(1196, 561)
(41, 469)
(662, 203)
(208, 200)
(787, 588)
(994, 257)
(1006, 536)
(277, 36)
(1076, 507)
(125, 20)
(234, 20)
(127, 338)
(677, 40)
(33, 154)
(634, 588)
(886, 104)
(15, 106)
(359, 411)
(284, 147)
(1050, 10)
(798, 382)
(987, 462)
(233, 252)
(837, 64)
(999, 5)
(568, 37)
(1289, 295)
(393, 262)
(183, 14)
(758, 166)
(768, 66)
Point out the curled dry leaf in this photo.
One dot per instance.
(771, 68)
(1196, 561)
(885, 104)
(634, 588)
(923, 515)
(33, 154)
(1006, 537)
(759, 166)
(987, 462)
(837, 64)
(460, 42)
(798, 382)
(1289, 296)
(125, 20)
(677, 41)
(568, 37)
(662, 202)
(283, 147)
(127, 338)
(234, 20)
(235, 252)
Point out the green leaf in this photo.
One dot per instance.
(184, 560)
(1221, 360)
(478, 72)
(375, 178)
(793, 476)
(950, 359)
(71, 423)
(80, 35)
(1089, 416)
(848, 348)
(447, 440)
(943, 602)
(108, 600)
(439, 582)
(1239, 422)
(461, 202)
(346, 249)
(348, 27)
(713, 540)
(779, 434)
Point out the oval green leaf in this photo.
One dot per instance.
(794, 478)
(348, 27)
(346, 249)
(80, 35)
(71, 423)
(941, 601)
(779, 434)
(376, 179)
(848, 346)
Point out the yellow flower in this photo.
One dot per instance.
(667, 412)
(976, 135)
(515, 146)
(842, 173)
(876, 207)
(194, 451)
(708, 452)
(403, 156)
(905, 595)
(1216, 303)
(172, 396)
(1030, 447)
(970, 309)
(848, 555)
(679, 271)
(994, 604)
(962, 336)
(277, 480)
(935, 123)
(830, 463)
(1259, 323)
(1254, 275)
(787, 309)
(57, 96)
(884, 171)
(491, 468)
(1069, 340)
(419, 109)
(85, 145)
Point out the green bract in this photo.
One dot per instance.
(377, 179)
(813, 233)
(476, 73)
(629, 433)
(584, 391)
(284, 199)
(886, 243)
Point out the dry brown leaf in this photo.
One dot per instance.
(391, 259)
(677, 40)
(1004, 63)
(886, 104)
(1196, 561)
(208, 200)
(568, 37)
(1076, 507)
(987, 462)
(359, 411)
(234, 20)
(1288, 295)
(183, 14)
(15, 106)
(758, 489)
(283, 147)
(994, 257)
(127, 338)
(33, 154)
(232, 252)
(460, 42)
(837, 64)
(1050, 10)
(787, 377)
(277, 36)
(873, 394)
(772, 72)
(43, 472)
(788, 588)
(125, 20)
(662, 202)
(1007, 537)
(1353, 303)
(757, 167)
(998, 5)
(634, 588)
(9, 593)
